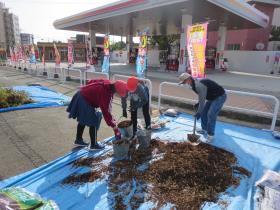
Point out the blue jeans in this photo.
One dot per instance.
(210, 112)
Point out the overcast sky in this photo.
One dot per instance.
(37, 16)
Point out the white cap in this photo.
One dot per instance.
(183, 77)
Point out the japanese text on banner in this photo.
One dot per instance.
(196, 45)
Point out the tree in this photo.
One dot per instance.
(275, 34)
(164, 41)
(118, 46)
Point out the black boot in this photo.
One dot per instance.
(147, 116)
(93, 136)
(79, 136)
(134, 122)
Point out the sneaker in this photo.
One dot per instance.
(96, 147)
(209, 138)
(80, 143)
(201, 131)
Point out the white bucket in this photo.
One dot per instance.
(144, 139)
(121, 150)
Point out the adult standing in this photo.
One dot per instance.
(84, 104)
(211, 98)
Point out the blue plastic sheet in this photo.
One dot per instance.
(43, 97)
(106, 64)
(141, 68)
(255, 150)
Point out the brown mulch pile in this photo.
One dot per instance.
(185, 176)
(188, 176)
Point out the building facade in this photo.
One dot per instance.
(2, 27)
(9, 28)
(79, 47)
(12, 29)
(250, 39)
(48, 49)
(26, 39)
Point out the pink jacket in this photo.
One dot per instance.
(99, 94)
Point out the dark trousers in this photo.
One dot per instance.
(147, 117)
(92, 133)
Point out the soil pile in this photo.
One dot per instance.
(176, 173)
(125, 124)
(10, 98)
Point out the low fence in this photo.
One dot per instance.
(89, 75)
(73, 73)
(273, 114)
(83, 75)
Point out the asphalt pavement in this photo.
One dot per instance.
(32, 137)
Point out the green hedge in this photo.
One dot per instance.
(9, 98)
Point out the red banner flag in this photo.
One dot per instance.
(57, 55)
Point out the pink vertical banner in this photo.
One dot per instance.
(88, 53)
(70, 52)
(15, 54)
(25, 53)
(57, 56)
(43, 56)
(20, 53)
(196, 45)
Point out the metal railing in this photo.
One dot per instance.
(160, 95)
(66, 72)
(149, 83)
(98, 74)
(30, 69)
(83, 79)
(273, 114)
(264, 96)
(83, 74)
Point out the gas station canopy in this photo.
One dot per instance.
(127, 17)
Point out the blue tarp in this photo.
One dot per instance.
(255, 149)
(43, 97)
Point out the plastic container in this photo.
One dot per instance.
(144, 139)
(121, 150)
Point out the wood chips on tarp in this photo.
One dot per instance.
(176, 173)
